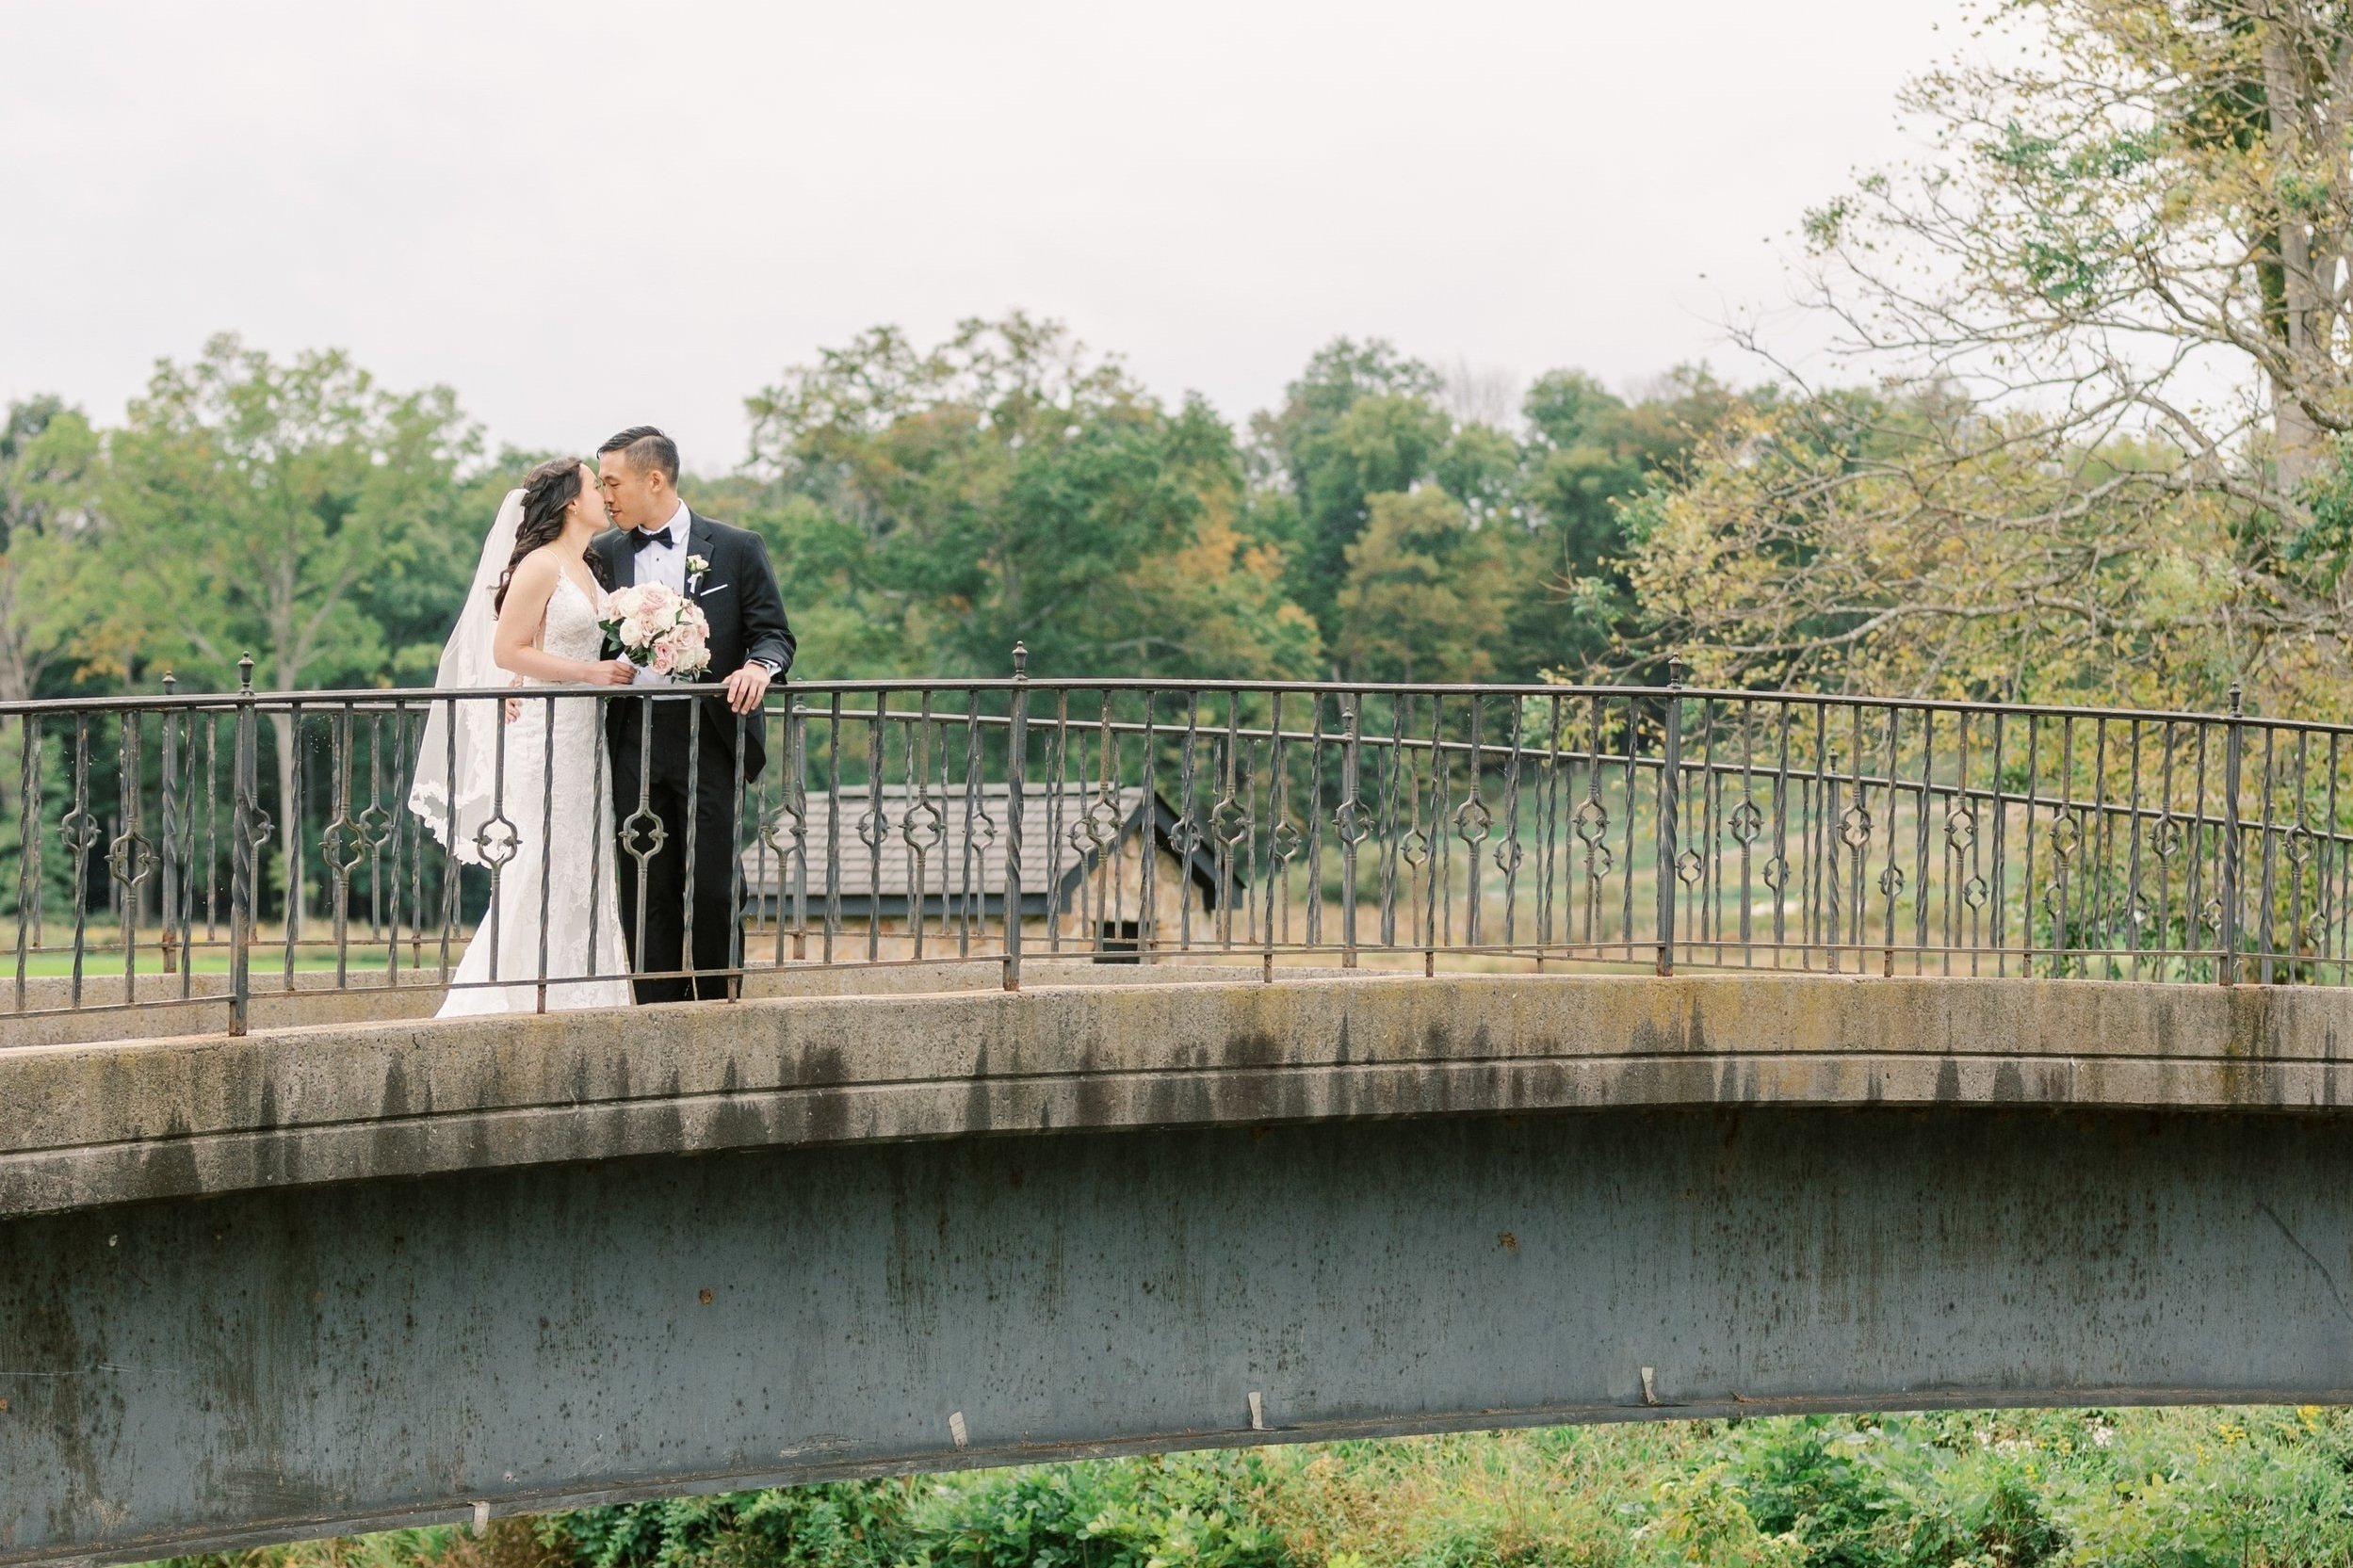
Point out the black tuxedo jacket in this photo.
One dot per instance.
(738, 598)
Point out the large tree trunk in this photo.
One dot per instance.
(2310, 367)
(2302, 446)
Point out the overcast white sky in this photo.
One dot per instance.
(584, 214)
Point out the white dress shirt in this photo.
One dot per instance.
(665, 564)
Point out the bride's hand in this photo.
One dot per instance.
(610, 672)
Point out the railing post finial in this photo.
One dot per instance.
(1021, 661)
(171, 683)
(1676, 669)
(245, 672)
(2238, 698)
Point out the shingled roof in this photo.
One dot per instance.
(1057, 850)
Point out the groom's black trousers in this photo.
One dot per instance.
(664, 792)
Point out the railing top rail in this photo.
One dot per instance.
(418, 696)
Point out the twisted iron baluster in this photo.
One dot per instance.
(1278, 846)
(1148, 817)
(691, 968)
(1315, 741)
(2267, 831)
(1508, 848)
(79, 832)
(131, 857)
(29, 880)
(1776, 871)
(1186, 837)
(1999, 895)
(980, 830)
(732, 980)
(342, 845)
(833, 826)
(920, 825)
(1348, 820)
(797, 806)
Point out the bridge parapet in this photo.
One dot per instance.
(193, 1115)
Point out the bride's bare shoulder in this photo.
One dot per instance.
(534, 575)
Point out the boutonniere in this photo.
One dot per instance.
(696, 567)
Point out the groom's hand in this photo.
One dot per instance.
(747, 686)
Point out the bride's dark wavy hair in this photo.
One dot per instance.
(548, 492)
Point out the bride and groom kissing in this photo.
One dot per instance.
(608, 825)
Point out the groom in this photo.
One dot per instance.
(725, 570)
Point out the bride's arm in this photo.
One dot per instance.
(513, 640)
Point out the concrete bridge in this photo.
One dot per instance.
(344, 1275)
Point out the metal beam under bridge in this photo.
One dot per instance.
(365, 1275)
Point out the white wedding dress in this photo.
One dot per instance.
(561, 818)
(530, 806)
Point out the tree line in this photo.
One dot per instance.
(2088, 435)
(928, 507)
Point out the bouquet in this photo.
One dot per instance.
(658, 630)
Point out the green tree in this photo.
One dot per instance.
(48, 455)
(1009, 485)
(258, 505)
(1423, 592)
(1360, 421)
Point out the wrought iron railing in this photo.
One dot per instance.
(183, 848)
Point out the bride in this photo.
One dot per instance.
(530, 795)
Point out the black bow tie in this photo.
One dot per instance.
(639, 540)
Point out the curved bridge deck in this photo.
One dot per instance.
(357, 1274)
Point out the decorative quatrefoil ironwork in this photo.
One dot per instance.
(1744, 822)
(343, 846)
(80, 831)
(1185, 835)
(1855, 827)
(643, 835)
(131, 857)
(497, 842)
(921, 826)
(1960, 829)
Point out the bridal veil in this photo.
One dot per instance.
(456, 784)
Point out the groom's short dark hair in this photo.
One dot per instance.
(645, 447)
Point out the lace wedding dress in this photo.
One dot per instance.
(559, 817)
